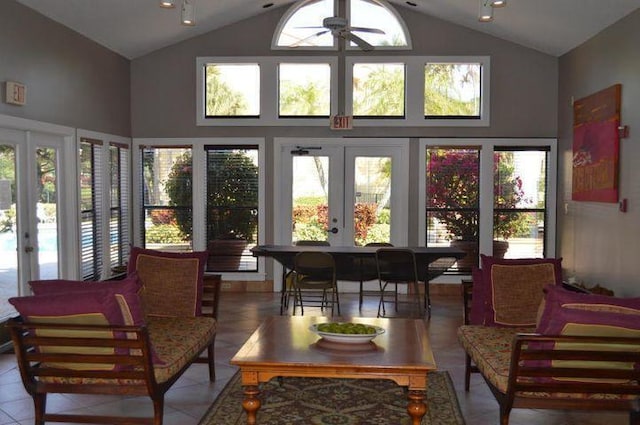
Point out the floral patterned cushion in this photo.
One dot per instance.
(176, 341)
(490, 350)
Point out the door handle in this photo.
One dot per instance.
(334, 230)
(28, 249)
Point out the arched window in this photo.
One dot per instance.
(374, 21)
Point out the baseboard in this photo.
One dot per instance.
(440, 289)
(247, 286)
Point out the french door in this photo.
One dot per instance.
(344, 191)
(30, 211)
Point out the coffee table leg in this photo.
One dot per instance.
(251, 403)
(416, 407)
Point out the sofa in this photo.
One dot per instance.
(109, 338)
(539, 345)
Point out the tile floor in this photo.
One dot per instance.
(240, 314)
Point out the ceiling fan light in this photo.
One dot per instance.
(486, 11)
(498, 3)
(188, 16)
(168, 4)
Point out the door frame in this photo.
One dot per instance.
(37, 133)
(400, 175)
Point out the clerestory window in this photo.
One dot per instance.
(320, 24)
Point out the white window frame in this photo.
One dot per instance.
(486, 186)
(200, 189)
(297, 6)
(104, 192)
(269, 98)
(414, 91)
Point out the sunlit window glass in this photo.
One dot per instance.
(369, 14)
(452, 90)
(304, 27)
(378, 89)
(232, 90)
(304, 89)
(167, 198)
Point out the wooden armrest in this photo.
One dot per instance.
(556, 363)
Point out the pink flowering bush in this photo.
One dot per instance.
(453, 191)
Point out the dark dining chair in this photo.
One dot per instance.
(397, 266)
(314, 281)
(368, 270)
(435, 269)
(287, 285)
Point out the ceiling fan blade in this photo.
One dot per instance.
(311, 27)
(299, 42)
(362, 29)
(360, 42)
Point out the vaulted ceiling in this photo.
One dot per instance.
(134, 28)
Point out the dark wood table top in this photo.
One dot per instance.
(358, 251)
(284, 346)
(356, 270)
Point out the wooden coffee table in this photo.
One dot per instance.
(284, 346)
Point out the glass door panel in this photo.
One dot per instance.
(8, 229)
(29, 222)
(46, 211)
(310, 198)
(372, 200)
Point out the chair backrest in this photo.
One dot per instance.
(380, 244)
(172, 282)
(315, 265)
(396, 265)
(312, 243)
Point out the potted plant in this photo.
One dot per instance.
(232, 219)
(453, 199)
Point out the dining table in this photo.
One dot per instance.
(355, 263)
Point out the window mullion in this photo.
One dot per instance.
(486, 201)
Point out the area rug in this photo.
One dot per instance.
(323, 401)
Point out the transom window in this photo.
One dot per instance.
(232, 90)
(375, 21)
(304, 89)
(379, 90)
(452, 90)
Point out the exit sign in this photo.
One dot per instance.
(341, 122)
(16, 93)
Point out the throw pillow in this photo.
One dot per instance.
(576, 322)
(85, 308)
(513, 288)
(126, 292)
(557, 298)
(172, 281)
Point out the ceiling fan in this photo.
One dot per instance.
(339, 27)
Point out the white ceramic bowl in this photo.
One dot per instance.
(347, 338)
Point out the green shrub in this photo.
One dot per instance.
(164, 233)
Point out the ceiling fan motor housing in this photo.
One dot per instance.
(334, 23)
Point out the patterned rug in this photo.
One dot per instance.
(323, 401)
